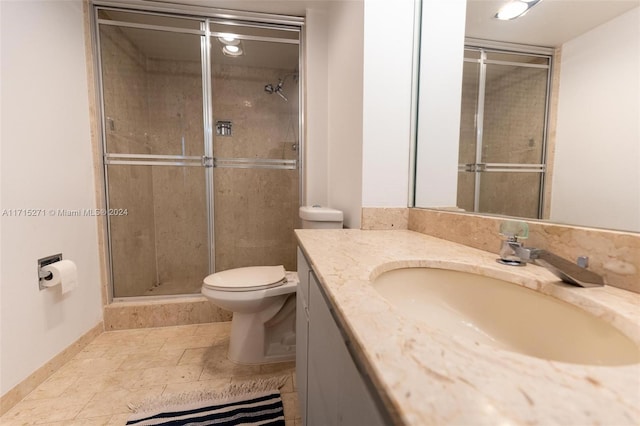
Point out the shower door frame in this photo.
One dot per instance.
(206, 16)
(479, 166)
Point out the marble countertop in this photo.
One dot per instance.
(427, 377)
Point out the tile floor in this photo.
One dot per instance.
(127, 366)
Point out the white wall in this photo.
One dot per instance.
(596, 178)
(388, 59)
(46, 164)
(441, 52)
(345, 55)
(359, 63)
(316, 106)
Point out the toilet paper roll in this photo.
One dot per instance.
(64, 273)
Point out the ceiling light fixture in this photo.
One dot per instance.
(515, 9)
(231, 50)
(229, 39)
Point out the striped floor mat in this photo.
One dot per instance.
(251, 403)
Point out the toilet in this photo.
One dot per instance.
(263, 301)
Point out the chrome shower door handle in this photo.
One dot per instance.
(207, 161)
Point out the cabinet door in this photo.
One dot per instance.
(303, 275)
(302, 330)
(335, 392)
(355, 404)
(323, 362)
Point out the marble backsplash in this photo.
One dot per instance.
(613, 254)
(384, 218)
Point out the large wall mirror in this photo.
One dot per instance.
(535, 117)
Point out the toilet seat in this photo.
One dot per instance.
(250, 278)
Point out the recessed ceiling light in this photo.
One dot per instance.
(231, 50)
(229, 39)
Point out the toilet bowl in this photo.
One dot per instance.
(263, 301)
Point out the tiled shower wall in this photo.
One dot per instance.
(154, 106)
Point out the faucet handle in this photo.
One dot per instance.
(514, 230)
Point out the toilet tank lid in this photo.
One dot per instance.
(249, 278)
(320, 214)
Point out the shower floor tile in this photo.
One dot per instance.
(128, 366)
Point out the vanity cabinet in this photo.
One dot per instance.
(302, 333)
(331, 390)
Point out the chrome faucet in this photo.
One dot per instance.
(514, 253)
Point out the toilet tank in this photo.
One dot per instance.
(317, 217)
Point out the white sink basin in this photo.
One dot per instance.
(505, 315)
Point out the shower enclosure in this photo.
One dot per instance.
(503, 132)
(200, 161)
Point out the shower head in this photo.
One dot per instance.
(278, 89)
(279, 92)
(269, 88)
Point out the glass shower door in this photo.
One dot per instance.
(502, 150)
(154, 152)
(468, 131)
(256, 141)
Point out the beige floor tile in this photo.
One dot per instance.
(116, 420)
(152, 359)
(94, 421)
(199, 386)
(193, 342)
(172, 332)
(133, 348)
(220, 328)
(106, 382)
(93, 351)
(38, 411)
(197, 356)
(128, 366)
(121, 419)
(166, 375)
(220, 366)
(90, 366)
(277, 368)
(51, 388)
(290, 403)
(117, 402)
(122, 336)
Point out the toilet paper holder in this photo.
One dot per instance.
(45, 275)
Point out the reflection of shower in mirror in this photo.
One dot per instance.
(270, 89)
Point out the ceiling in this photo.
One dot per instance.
(550, 23)
(281, 7)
